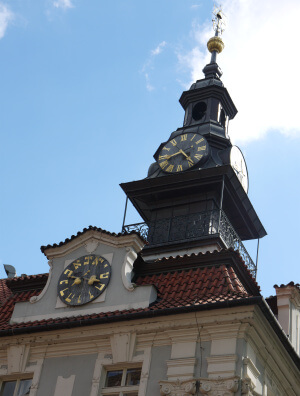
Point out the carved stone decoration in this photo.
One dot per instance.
(219, 386)
(177, 388)
(127, 269)
(35, 299)
(91, 245)
(247, 387)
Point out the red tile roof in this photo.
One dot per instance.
(178, 290)
(196, 286)
(4, 291)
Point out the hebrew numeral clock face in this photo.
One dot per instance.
(84, 280)
(183, 152)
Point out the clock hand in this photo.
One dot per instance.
(169, 156)
(172, 155)
(77, 281)
(182, 152)
(187, 157)
(93, 279)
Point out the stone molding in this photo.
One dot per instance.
(94, 236)
(251, 374)
(123, 347)
(178, 388)
(181, 368)
(17, 358)
(219, 386)
(221, 366)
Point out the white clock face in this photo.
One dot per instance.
(238, 164)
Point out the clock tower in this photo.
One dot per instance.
(194, 198)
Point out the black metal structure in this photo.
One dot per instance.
(189, 204)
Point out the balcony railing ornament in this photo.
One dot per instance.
(191, 227)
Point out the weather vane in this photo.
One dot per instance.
(215, 44)
(218, 20)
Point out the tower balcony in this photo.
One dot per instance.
(193, 227)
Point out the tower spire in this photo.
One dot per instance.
(215, 45)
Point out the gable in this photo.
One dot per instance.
(118, 252)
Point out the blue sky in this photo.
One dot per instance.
(90, 88)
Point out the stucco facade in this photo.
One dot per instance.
(230, 348)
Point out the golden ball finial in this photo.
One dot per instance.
(215, 44)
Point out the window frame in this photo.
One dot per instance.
(17, 379)
(122, 389)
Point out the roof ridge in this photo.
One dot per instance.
(90, 228)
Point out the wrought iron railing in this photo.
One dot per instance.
(193, 226)
(141, 228)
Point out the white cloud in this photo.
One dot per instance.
(64, 4)
(5, 17)
(159, 48)
(148, 85)
(260, 64)
(148, 65)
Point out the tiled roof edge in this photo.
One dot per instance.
(28, 282)
(89, 321)
(292, 284)
(89, 228)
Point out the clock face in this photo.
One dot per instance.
(183, 152)
(84, 280)
(238, 164)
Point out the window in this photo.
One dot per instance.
(18, 387)
(122, 382)
(199, 111)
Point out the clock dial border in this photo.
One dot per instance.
(83, 280)
(238, 164)
(183, 152)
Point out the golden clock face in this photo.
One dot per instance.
(84, 280)
(183, 152)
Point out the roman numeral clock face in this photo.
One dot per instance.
(84, 280)
(183, 152)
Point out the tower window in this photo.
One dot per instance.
(199, 111)
(222, 118)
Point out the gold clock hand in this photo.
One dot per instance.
(172, 155)
(187, 157)
(169, 156)
(92, 280)
(77, 281)
(182, 152)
